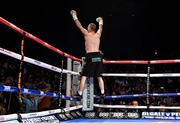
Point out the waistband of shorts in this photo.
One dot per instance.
(93, 53)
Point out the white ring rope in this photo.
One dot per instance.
(37, 114)
(135, 107)
(125, 74)
(49, 112)
(142, 75)
(56, 69)
(8, 117)
(36, 62)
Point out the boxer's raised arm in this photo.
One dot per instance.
(77, 22)
(100, 21)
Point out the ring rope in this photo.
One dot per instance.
(142, 74)
(56, 69)
(50, 94)
(34, 38)
(45, 44)
(37, 114)
(135, 107)
(141, 61)
(36, 62)
(72, 57)
(140, 95)
(31, 91)
(49, 112)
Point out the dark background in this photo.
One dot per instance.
(133, 29)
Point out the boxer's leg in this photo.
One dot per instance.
(82, 83)
(101, 85)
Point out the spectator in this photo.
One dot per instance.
(31, 102)
(134, 103)
(45, 102)
(2, 105)
(162, 109)
(2, 110)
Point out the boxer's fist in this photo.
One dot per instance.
(99, 20)
(73, 12)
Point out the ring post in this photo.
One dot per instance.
(88, 93)
(75, 81)
(68, 81)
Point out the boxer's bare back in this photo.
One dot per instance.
(92, 42)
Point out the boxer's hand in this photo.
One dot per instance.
(74, 14)
(99, 20)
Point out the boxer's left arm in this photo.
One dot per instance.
(77, 22)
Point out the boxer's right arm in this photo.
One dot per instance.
(100, 21)
(77, 22)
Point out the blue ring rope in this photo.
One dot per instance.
(50, 94)
(31, 91)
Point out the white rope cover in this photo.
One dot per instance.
(135, 107)
(142, 74)
(36, 62)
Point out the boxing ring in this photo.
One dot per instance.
(73, 113)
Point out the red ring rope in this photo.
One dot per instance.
(38, 40)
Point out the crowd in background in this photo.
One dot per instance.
(45, 80)
(138, 85)
(33, 77)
